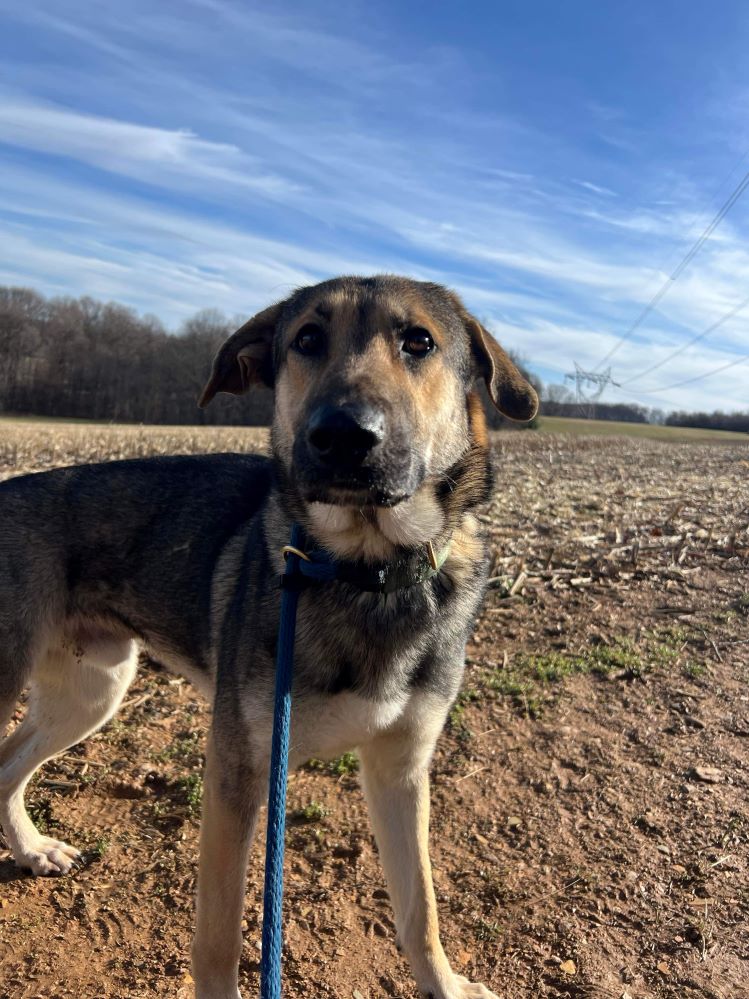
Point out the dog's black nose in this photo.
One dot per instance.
(344, 435)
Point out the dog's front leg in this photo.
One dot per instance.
(231, 800)
(396, 783)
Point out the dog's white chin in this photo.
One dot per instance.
(373, 532)
(416, 520)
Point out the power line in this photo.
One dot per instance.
(681, 266)
(695, 339)
(689, 381)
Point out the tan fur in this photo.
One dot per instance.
(396, 784)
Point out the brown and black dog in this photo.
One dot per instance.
(380, 453)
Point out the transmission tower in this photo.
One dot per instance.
(589, 386)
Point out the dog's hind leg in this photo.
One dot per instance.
(72, 693)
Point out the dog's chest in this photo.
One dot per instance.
(325, 726)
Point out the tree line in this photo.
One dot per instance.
(85, 359)
(77, 357)
(712, 421)
(81, 358)
(558, 400)
(624, 412)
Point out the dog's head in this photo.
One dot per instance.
(373, 383)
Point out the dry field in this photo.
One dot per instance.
(590, 820)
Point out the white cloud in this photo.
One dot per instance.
(153, 154)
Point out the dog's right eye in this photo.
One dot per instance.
(310, 340)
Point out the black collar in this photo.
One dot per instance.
(315, 566)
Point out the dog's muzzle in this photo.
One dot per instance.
(349, 454)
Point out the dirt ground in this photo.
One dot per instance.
(590, 825)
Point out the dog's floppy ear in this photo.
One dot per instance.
(246, 358)
(508, 389)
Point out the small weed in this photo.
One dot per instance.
(675, 636)
(190, 790)
(741, 605)
(313, 812)
(456, 718)
(693, 670)
(40, 813)
(735, 831)
(99, 848)
(116, 733)
(620, 655)
(186, 748)
(92, 777)
(343, 766)
(486, 931)
(724, 617)
(699, 933)
(305, 839)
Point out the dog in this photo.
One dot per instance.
(380, 453)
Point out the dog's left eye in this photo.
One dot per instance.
(418, 342)
(310, 340)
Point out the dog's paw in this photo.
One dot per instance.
(461, 988)
(47, 856)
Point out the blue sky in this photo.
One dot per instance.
(550, 161)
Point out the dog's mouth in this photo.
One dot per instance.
(354, 494)
(370, 485)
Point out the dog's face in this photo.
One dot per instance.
(372, 380)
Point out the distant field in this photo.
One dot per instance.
(611, 428)
(31, 445)
(163, 439)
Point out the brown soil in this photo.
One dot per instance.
(590, 820)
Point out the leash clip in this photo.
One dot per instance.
(293, 550)
(432, 556)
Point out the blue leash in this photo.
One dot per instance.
(301, 570)
(270, 965)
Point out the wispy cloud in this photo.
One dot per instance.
(140, 151)
(596, 188)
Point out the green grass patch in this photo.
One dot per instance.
(186, 748)
(533, 681)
